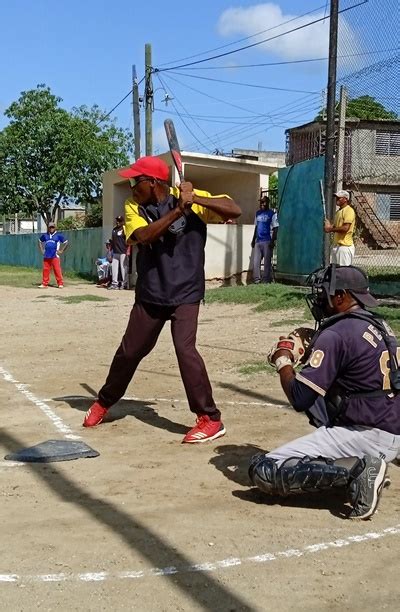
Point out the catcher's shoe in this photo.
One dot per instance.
(205, 430)
(366, 489)
(94, 415)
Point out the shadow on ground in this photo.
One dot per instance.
(124, 408)
(233, 461)
(201, 590)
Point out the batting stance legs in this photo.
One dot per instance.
(144, 327)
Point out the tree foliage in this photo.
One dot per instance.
(51, 157)
(364, 107)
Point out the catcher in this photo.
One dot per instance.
(349, 387)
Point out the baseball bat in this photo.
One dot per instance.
(174, 146)
(321, 188)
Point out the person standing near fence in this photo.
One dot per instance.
(120, 258)
(51, 245)
(265, 233)
(343, 229)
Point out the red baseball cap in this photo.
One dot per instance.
(147, 166)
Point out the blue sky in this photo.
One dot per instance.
(84, 51)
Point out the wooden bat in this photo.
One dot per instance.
(321, 188)
(177, 226)
(174, 146)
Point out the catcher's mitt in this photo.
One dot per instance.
(296, 343)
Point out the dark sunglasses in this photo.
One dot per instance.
(135, 181)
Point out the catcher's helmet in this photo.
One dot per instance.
(326, 282)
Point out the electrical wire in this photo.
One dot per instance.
(195, 76)
(243, 39)
(301, 27)
(288, 62)
(180, 116)
(118, 104)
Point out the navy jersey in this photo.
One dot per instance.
(352, 354)
(118, 240)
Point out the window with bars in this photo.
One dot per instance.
(388, 206)
(387, 143)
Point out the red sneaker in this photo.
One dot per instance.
(94, 415)
(205, 430)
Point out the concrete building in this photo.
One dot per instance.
(228, 249)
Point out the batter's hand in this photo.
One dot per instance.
(185, 195)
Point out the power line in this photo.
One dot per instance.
(180, 116)
(289, 62)
(243, 39)
(301, 27)
(195, 76)
(116, 106)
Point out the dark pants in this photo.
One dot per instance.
(145, 324)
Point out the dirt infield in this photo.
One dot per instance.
(152, 524)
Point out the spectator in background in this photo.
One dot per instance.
(264, 238)
(103, 264)
(343, 229)
(51, 245)
(120, 260)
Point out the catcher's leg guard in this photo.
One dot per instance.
(303, 475)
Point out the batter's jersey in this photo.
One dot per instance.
(170, 271)
(345, 215)
(352, 354)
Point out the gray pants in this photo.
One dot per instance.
(339, 442)
(119, 262)
(262, 251)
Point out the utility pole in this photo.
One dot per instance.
(136, 112)
(330, 121)
(341, 139)
(148, 99)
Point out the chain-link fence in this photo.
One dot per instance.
(368, 67)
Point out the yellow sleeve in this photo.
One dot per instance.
(348, 215)
(132, 220)
(205, 214)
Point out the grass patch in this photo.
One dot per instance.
(265, 297)
(255, 367)
(391, 315)
(383, 273)
(18, 276)
(288, 323)
(74, 299)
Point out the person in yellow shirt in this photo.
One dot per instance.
(169, 228)
(343, 229)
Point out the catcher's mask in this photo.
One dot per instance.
(326, 282)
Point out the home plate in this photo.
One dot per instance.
(53, 450)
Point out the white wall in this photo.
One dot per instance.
(228, 249)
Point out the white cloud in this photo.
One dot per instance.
(309, 42)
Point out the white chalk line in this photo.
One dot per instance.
(171, 400)
(210, 566)
(58, 423)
